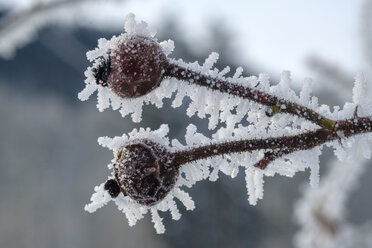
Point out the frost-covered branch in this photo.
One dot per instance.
(283, 132)
(149, 65)
(279, 146)
(151, 76)
(276, 104)
(147, 172)
(20, 25)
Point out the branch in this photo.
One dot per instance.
(280, 145)
(277, 105)
(145, 170)
(149, 65)
(19, 26)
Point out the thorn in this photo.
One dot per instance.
(356, 112)
(262, 164)
(265, 161)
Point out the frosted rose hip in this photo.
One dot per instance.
(136, 67)
(145, 171)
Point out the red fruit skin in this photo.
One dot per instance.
(137, 67)
(145, 172)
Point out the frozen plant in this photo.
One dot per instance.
(285, 132)
(24, 19)
(321, 211)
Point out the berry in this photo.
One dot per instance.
(137, 66)
(145, 171)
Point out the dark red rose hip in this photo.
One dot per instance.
(145, 171)
(137, 67)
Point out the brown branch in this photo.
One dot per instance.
(277, 105)
(279, 146)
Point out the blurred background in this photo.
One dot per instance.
(49, 156)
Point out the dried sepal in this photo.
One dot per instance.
(112, 187)
(102, 72)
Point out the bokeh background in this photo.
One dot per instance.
(49, 156)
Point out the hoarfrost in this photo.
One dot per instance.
(99, 199)
(359, 90)
(158, 222)
(231, 110)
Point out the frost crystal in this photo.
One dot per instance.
(359, 90)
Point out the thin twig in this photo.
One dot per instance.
(27, 21)
(277, 105)
(280, 145)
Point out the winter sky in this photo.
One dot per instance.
(276, 35)
(270, 35)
